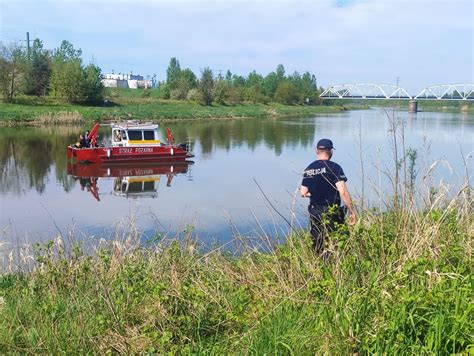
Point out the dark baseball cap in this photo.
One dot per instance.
(325, 144)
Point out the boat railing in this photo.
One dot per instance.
(189, 145)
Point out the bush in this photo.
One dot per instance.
(286, 93)
(193, 95)
(221, 92)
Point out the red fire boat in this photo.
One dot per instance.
(131, 142)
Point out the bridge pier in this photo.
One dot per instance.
(413, 106)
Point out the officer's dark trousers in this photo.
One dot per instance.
(323, 220)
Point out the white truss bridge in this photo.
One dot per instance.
(386, 91)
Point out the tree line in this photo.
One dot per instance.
(182, 84)
(59, 72)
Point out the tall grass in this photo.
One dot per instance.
(398, 282)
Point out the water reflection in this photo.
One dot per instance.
(29, 154)
(129, 180)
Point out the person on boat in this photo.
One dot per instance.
(88, 139)
(324, 183)
(82, 143)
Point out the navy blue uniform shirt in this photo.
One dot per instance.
(320, 178)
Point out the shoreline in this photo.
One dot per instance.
(26, 115)
(166, 111)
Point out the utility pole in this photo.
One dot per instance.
(218, 70)
(28, 44)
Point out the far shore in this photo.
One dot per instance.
(36, 111)
(46, 110)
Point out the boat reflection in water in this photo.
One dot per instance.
(130, 180)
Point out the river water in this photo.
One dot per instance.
(243, 180)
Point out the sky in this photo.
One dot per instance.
(417, 42)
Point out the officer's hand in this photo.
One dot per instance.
(352, 219)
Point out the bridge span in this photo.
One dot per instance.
(392, 92)
(387, 91)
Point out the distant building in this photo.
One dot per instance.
(125, 81)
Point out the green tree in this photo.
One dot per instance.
(172, 73)
(270, 84)
(70, 80)
(164, 91)
(66, 52)
(11, 57)
(67, 76)
(255, 94)
(185, 82)
(221, 91)
(228, 76)
(206, 86)
(92, 87)
(272, 80)
(286, 93)
(280, 72)
(66, 80)
(254, 79)
(190, 78)
(238, 80)
(309, 88)
(236, 94)
(38, 71)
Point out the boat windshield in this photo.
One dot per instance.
(135, 135)
(148, 135)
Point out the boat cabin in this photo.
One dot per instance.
(135, 187)
(135, 135)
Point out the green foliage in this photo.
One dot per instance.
(66, 52)
(286, 93)
(173, 73)
(233, 89)
(206, 87)
(236, 95)
(221, 91)
(37, 71)
(185, 81)
(66, 80)
(70, 80)
(92, 87)
(11, 61)
(164, 91)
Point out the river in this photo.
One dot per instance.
(244, 177)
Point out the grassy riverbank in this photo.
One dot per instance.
(142, 104)
(398, 283)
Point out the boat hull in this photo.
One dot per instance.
(143, 154)
(126, 170)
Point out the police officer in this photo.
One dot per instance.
(324, 183)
